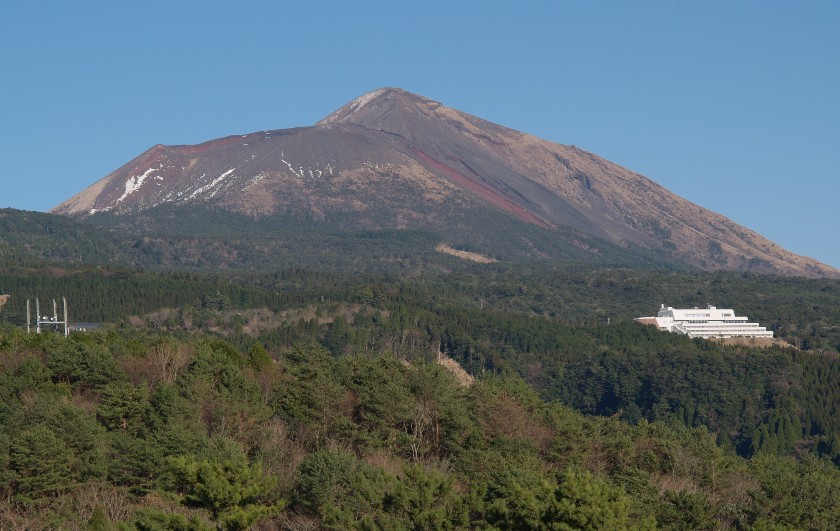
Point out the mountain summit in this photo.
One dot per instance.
(392, 159)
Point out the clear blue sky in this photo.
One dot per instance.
(732, 105)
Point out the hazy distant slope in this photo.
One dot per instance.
(26, 235)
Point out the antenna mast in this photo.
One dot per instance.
(53, 321)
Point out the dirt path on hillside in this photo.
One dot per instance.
(465, 255)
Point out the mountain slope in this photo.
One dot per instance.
(392, 159)
(30, 237)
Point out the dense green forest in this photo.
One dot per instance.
(30, 237)
(140, 430)
(548, 325)
(199, 239)
(310, 397)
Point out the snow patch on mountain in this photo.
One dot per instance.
(254, 180)
(134, 183)
(212, 186)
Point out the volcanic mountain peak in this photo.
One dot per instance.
(344, 113)
(393, 159)
(413, 117)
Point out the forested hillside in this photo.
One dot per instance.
(321, 390)
(144, 431)
(548, 325)
(31, 237)
(212, 240)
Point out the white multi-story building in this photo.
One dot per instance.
(705, 322)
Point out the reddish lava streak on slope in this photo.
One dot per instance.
(479, 189)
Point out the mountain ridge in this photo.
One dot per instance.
(393, 159)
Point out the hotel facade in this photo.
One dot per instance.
(705, 322)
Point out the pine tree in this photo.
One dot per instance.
(40, 462)
(236, 493)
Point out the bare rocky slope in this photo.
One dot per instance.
(392, 159)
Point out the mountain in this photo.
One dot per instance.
(395, 160)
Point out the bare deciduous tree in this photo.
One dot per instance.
(169, 359)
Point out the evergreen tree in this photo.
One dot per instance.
(40, 462)
(236, 493)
